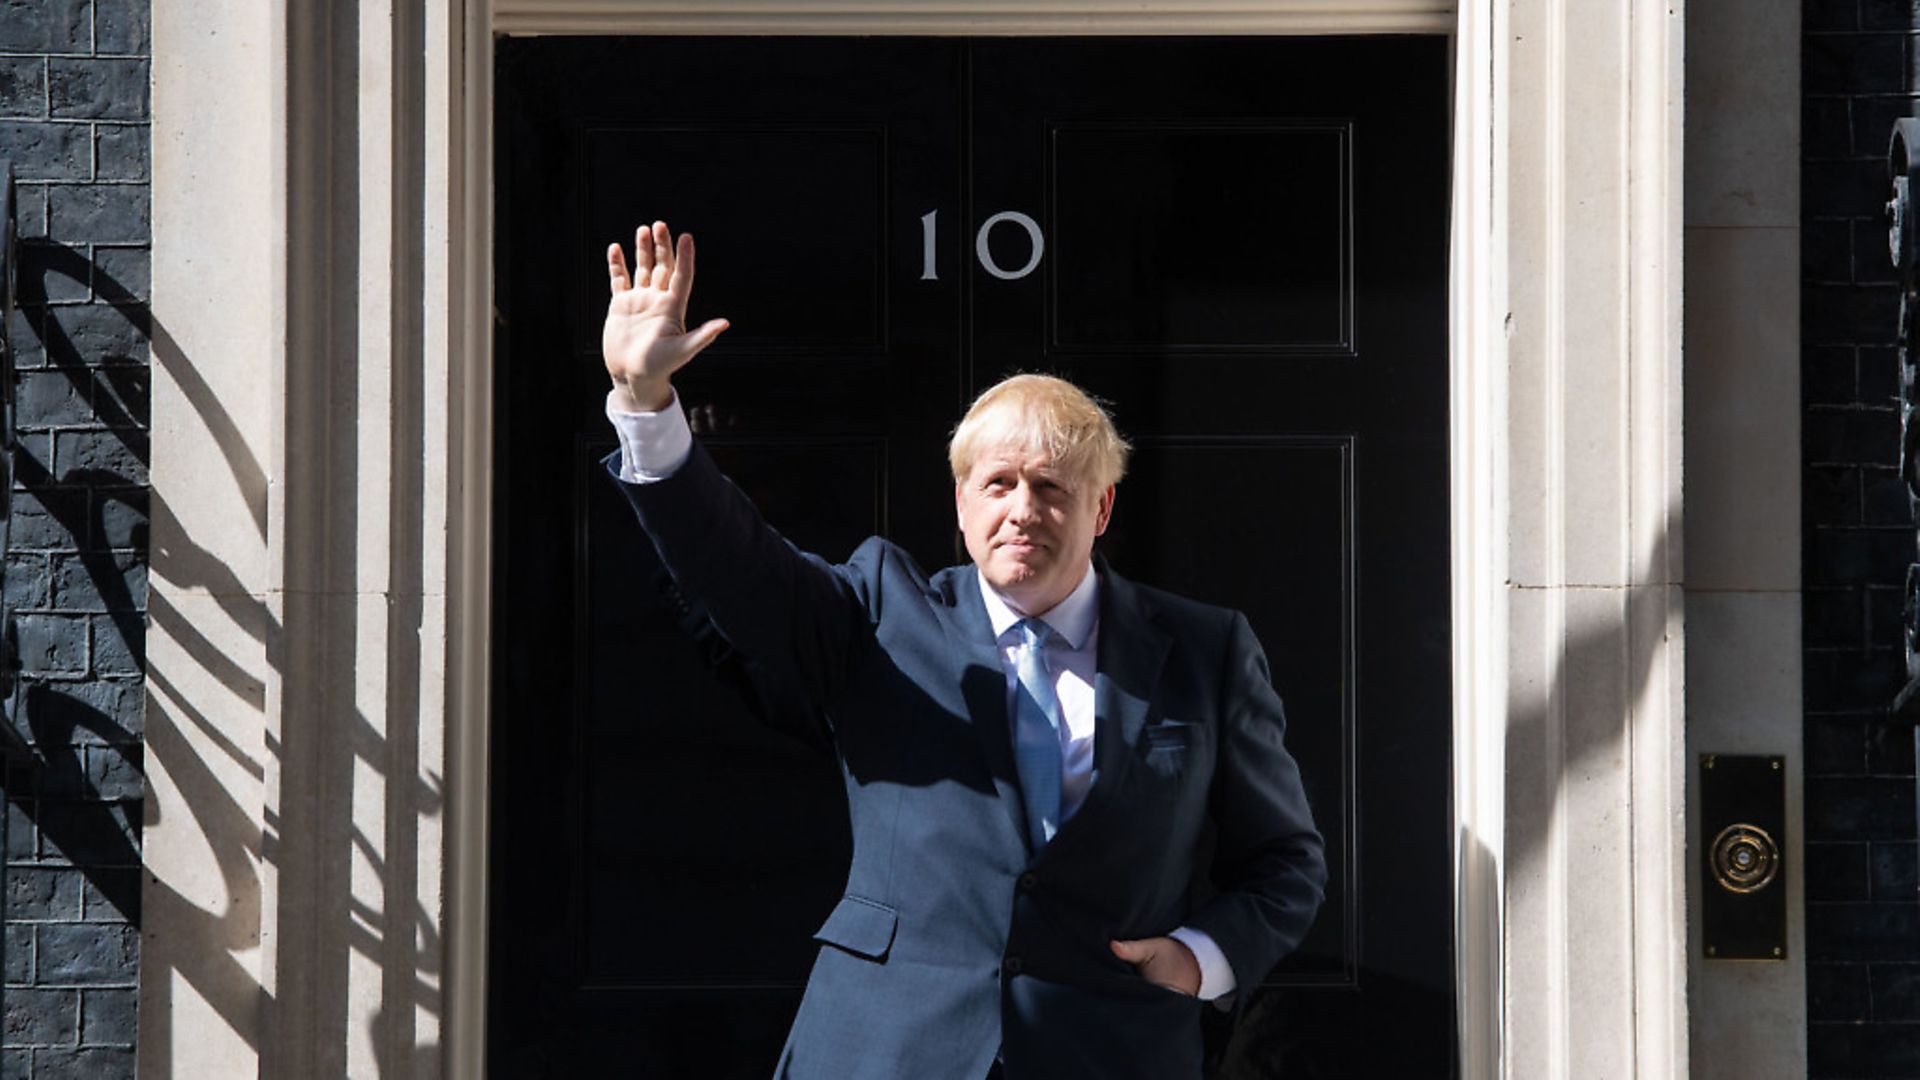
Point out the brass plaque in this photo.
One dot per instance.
(1741, 838)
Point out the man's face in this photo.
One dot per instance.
(1029, 527)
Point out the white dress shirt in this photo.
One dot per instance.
(653, 445)
(1070, 662)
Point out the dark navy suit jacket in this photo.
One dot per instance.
(954, 941)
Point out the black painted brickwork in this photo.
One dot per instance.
(1863, 906)
(73, 118)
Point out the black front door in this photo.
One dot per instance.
(1240, 243)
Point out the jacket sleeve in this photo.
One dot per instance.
(768, 700)
(1270, 863)
(790, 612)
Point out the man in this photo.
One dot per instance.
(1037, 752)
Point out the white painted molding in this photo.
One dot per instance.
(468, 453)
(1477, 417)
(987, 17)
(1656, 604)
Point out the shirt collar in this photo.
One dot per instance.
(1072, 619)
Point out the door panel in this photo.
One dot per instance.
(1240, 243)
(1264, 203)
(1279, 286)
(657, 844)
(826, 174)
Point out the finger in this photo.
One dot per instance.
(680, 284)
(617, 279)
(643, 255)
(662, 255)
(704, 335)
(1133, 952)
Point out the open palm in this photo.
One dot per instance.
(646, 338)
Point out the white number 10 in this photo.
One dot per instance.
(929, 228)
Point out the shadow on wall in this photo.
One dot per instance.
(358, 892)
(75, 762)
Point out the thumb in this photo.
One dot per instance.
(1133, 952)
(703, 335)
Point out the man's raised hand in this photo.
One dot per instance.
(646, 338)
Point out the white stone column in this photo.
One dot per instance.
(1567, 515)
(320, 413)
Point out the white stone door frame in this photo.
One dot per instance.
(322, 416)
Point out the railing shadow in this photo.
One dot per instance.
(350, 883)
(73, 782)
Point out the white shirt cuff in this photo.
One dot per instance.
(653, 445)
(1216, 975)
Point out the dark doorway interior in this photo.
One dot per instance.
(1241, 244)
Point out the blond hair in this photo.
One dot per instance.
(1046, 414)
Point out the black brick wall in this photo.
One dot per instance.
(74, 105)
(1863, 905)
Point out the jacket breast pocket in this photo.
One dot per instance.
(860, 926)
(1164, 746)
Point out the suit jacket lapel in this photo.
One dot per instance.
(983, 682)
(1133, 649)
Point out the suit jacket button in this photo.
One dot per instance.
(1011, 965)
(1027, 881)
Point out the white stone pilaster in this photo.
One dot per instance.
(317, 406)
(1569, 726)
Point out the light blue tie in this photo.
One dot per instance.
(1036, 733)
